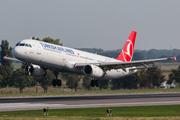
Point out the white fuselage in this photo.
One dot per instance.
(62, 58)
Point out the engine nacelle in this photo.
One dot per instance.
(93, 70)
(35, 70)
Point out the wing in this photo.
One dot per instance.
(140, 64)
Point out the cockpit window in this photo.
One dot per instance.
(27, 45)
(17, 44)
(23, 44)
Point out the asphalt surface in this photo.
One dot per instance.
(87, 101)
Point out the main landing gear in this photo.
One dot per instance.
(95, 82)
(56, 81)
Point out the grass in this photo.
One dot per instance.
(58, 91)
(87, 118)
(166, 71)
(134, 112)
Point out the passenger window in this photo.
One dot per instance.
(30, 45)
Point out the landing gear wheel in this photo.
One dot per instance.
(54, 82)
(97, 83)
(92, 83)
(58, 82)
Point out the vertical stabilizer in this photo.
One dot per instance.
(127, 51)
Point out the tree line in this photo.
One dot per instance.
(152, 75)
(138, 54)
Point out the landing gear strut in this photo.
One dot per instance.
(95, 82)
(56, 81)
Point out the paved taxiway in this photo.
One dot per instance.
(86, 101)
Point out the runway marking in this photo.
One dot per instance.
(37, 106)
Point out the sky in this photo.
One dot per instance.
(104, 24)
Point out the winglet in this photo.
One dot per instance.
(175, 58)
(127, 51)
(6, 56)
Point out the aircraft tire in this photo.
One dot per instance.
(58, 82)
(97, 83)
(92, 83)
(54, 82)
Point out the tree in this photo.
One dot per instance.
(152, 54)
(155, 76)
(104, 84)
(86, 82)
(35, 38)
(5, 50)
(175, 75)
(5, 72)
(72, 81)
(128, 81)
(20, 80)
(143, 77)
(178, 58)
(51, 40)
(171, 79)
(46, 81)
(134, 78)
(137, 56)
(1, 79)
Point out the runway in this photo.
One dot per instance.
(88, 101)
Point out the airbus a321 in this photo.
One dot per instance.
(39, 56)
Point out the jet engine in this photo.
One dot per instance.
(35, 70)
(93, 70)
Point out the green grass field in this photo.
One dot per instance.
(139, 112)
(87, 118)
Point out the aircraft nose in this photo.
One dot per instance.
(17, 51)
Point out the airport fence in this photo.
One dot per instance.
(39, 89)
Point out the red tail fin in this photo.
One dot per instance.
(127, 51)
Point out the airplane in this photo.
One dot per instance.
(38, 56)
